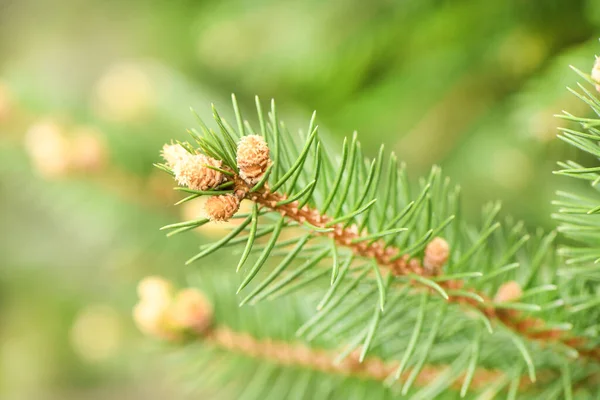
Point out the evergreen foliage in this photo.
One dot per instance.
(346, 235)
(580, 213)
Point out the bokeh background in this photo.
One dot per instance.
(90, 89)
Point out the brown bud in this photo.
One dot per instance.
(221, 208)
(436, 254)
(252, 158)
(191, 311)
(596, 73)
(192, 171)
(173, 153)
(508, 291)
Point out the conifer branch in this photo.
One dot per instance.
(186, 317)
(299, 355)
(387, 259)
(390, 259)
(359, 220)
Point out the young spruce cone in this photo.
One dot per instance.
(252, 158)
(160, 314)
(173, 153)
(436, 254)
(191, 311)
(151, 312)
(508, 291)
(221, 208)
(192, 171)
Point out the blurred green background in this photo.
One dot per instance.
(89, 91)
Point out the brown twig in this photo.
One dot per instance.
(388, 258)
(322, 360)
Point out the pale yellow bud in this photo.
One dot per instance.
(48, 148)
(596, 73)
(221, 208)
(88, 151)
(191, 311)
(252, 158)
(192, 171)
(151, 318)
(436, 254)
(508, 291)
(160, 314)
(151, 314)
(173, 153)
(155, 289)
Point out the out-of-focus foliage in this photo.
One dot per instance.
(470, 85)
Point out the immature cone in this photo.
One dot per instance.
(508, 291)
(252, 158)
(151, 314)
(221, 208)
(173, 153)
(191, 311)
(596, 73)
(152, 319)
(155, 289)
(48, 149)
(88, 150)
(192, 171)
(436, 254)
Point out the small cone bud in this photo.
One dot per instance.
(221, 208)
(436, 254)
(596, 73)
(152, 318)
(88, 151)
(159, 314)
(192, 171)
(191, 311)
(151, 313)
(173, 153)
(252, 158)
(508, 291)
(155, 289)
(48, 149)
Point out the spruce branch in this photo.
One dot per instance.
(355, 230)
(186, 317)
(387, 259)
(284, 353)
(578, 213)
